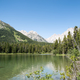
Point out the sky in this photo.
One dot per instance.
(46, 17)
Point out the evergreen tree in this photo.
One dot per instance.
(69, 40)
(64, 45)
(7, 48)
(56, 44)
(59, 46)
(76, 37)
(14, 48)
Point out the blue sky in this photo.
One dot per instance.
(46, 17)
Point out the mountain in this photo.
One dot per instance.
(34, 36)
(56, 36)
(9, 34)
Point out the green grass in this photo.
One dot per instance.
(60, 54)
(36, 53)
(24, 53)
(11, 53)
(2, 53)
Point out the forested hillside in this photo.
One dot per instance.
(9, 34)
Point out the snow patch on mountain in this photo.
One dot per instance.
(33, 35)
(61, 36)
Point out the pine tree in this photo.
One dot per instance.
(64, 45)
(59, 46)
(56, 44)
(69, 40)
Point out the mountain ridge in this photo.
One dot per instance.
(33, 35)
(9, 34)
(50, 39)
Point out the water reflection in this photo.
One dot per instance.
(15, 67)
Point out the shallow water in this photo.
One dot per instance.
(15, 67)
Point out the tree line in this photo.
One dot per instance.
(6, 47)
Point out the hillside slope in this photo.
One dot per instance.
(9, 34)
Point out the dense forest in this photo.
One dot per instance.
(60, 47)
(6, 47)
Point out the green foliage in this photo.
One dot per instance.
(7, 29)
(17, 38)
(69, 40)
(8, 36)
(78, 77)
(63, 76)
(55, 51)
(74, 52)
(56, 44)
(71, 70)
(38, 75)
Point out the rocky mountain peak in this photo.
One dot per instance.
(32, 32)
(56, 36)
(33, 35)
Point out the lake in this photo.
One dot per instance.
(15, 67)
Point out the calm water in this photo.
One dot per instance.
(15, 67)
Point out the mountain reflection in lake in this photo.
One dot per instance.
(15, 67)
